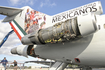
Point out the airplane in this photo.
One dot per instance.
(74, 37)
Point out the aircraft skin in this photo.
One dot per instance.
(89, 50)
(94, 53)
(85, 49)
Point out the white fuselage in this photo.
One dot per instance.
(89, 50)
(94, 53)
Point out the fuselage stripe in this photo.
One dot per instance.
(19, 27)
(15, 31)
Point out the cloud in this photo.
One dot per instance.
(14, 2)
(12, 40)
(22, 2)
(47, 3)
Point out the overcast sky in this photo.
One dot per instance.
(49, 7)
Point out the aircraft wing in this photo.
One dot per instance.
(8, 11)
(49, 63)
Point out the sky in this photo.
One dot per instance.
(49, 7)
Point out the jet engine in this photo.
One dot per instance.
(24, 50)
(68, 30)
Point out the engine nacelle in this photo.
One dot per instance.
(20, 50)
(24, 50)
(87, 24)
(64, 31)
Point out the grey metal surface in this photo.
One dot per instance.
(63, 51)
(58, 66)
(9, 11)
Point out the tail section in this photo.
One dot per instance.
(18, 23)
(25, 20)
(16, 18)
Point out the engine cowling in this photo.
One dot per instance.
(20, 50)
(65, 31)
(24, 50)
(87, 24)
